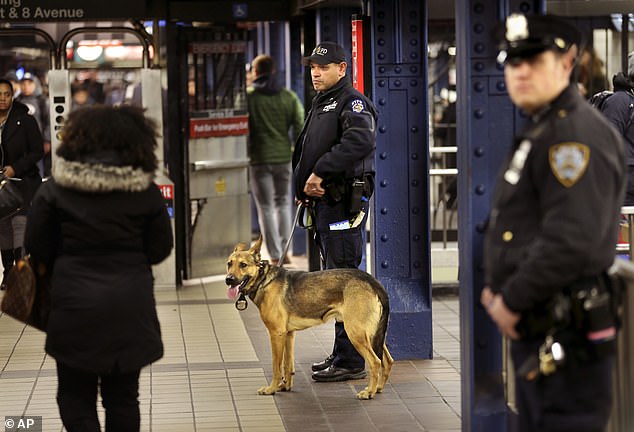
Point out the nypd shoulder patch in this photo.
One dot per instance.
(357, 105)
(568, 161)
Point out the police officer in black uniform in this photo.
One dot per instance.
(552, 233)
(333, 172)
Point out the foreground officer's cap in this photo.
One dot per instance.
(326, 53)
(524, 36)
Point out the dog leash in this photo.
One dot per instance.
(298, 212)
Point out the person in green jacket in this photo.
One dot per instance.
(276, 116)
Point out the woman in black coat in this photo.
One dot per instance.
(20, 150)
(99, 225)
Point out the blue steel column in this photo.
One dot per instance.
(297, 85)
(486, 123)
(401, 236)
(279, 47)
(335, 25)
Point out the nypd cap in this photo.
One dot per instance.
(326, 53)
(523, 36)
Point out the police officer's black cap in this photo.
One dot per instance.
(524, 36)
(326, 53)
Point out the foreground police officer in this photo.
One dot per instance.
(552, 233)
(333, 169)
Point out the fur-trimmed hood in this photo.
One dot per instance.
(99, 177)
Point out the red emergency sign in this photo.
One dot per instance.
(218, 127)
(357, 55)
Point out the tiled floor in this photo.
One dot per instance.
(215, 360)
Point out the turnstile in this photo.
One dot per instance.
(218, 188)
(216, 152)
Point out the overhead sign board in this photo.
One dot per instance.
(69, 10)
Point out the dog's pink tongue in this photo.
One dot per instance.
(232, 292)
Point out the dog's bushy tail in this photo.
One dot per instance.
(378, 340)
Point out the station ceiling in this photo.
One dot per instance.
(444, 9)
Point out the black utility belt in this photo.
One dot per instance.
(578, 325)
(588, 307)
(352, 191)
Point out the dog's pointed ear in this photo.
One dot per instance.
(255, 249)
(240, 247)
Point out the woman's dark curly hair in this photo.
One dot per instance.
(124, 131)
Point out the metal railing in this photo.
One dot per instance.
(443, 175)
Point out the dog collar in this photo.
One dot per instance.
(241, 303)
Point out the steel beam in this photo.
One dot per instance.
(486, 122)
(400, 226)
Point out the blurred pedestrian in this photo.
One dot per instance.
(274, 114)
(619, 109)
(21, 149)
(591, 78)
(32, 96)
(15, 82)
(81, 97)
(99, 225)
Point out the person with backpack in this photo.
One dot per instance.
(619, 109)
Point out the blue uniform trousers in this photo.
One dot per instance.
(577, 397)
(341, 247)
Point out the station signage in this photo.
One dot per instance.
(219, 127)
(69, 10)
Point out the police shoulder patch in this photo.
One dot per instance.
(357, 105)
(568, 161)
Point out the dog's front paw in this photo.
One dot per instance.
(284, 386)
(268, 390)
(365, 394)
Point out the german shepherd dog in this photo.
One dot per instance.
(296, 300)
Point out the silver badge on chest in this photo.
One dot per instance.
(514, 171)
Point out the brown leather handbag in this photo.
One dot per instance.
(27, 297)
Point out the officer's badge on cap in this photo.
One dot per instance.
(524, 36)
(326, 53)
(516, 27)
(568, 162)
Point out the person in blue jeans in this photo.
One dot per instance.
(333, 173)
(274, 113)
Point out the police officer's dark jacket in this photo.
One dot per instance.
(338, 138)
(555, 210)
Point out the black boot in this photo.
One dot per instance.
(7, 263)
